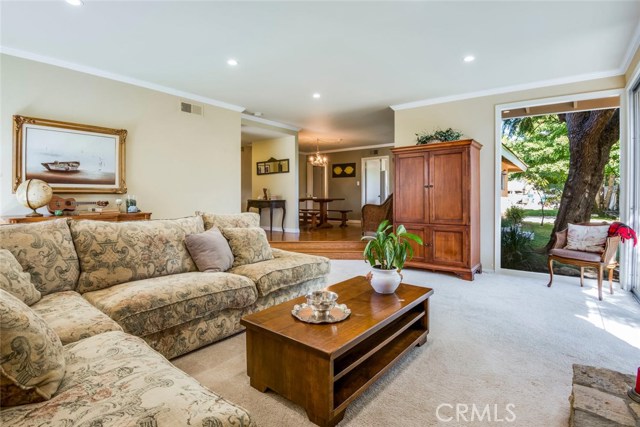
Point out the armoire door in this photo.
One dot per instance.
(420, 252)
(449, 245)
(448, 187)
(410, 203)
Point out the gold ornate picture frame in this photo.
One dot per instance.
(70, 157)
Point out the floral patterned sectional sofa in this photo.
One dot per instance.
(112, 292)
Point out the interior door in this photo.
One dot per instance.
(447, 186)
(375, 180)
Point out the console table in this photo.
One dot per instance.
(271, 205)
(97, 216)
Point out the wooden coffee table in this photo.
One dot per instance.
(325, 367)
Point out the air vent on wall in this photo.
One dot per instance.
(191, 108)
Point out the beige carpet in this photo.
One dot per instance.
(499, 340)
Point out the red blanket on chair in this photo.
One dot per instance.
(624, 231)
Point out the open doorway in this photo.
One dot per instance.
(570, 150)
(375, 179)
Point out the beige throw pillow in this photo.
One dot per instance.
(32, 362)
(249, 245)
(15, 281)
(587, 238)
(210, 250)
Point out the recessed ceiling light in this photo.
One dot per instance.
(469, 58)
(316, 95)
(75, 2)
(232, 62)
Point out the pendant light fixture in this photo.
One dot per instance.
(318, 159)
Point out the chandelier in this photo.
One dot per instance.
(318, 159)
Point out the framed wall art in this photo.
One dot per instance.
(70, 157)
(343, 170)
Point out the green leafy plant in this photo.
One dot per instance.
(514, 216)
(516, 248)
(388, 250)
(438, 135)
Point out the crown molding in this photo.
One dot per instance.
(272, 123)
(117, 77)
(507, 89)
(340, 150)
(631, 50)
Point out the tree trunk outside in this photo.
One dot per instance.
(591, 136)
(608, 193)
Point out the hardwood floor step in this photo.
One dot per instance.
(329, 249)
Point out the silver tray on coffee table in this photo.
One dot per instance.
(305, 313)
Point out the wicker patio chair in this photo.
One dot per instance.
(373, 215)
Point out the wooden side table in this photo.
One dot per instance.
(97, 216)
(271, 205)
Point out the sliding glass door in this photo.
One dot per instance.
(634, 191)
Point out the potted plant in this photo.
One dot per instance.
(387, 252)
(438, 135)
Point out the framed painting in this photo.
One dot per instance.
(70, 157)
(343, 170)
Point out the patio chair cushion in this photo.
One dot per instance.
(15, 281)
(579, 255)
(588, 238)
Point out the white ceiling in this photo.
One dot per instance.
(361, 56)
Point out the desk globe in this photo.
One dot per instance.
(34, 193)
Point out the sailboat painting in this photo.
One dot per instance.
(73, 160)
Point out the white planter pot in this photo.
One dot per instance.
(384, 281)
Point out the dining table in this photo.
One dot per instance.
(323, 203)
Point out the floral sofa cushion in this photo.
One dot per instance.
(45, 251)
(588, 238)
(115, 379)
(32, 362)
(147, 306)
(119, 252)
(15, 281)
(285, 270)
(245, 219)
(72, 317)
(248, 245)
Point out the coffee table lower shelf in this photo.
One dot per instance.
(326, 383)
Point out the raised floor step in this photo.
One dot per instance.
(329, 249)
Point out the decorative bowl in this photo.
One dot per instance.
(321, 302)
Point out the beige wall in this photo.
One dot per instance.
(282, 185)
(351, 188)
(247, 167)
(176, 163)
(476, 119)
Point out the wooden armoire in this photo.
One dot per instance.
(437, 197)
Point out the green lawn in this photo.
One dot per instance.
(536, 256)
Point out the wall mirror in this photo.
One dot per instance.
(272, 166)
